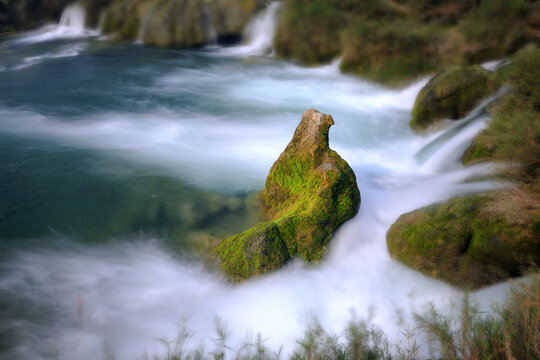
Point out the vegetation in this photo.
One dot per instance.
(514, 134)
(394, 41)
(475, 241)
(389, 52)
(512, 331)
(464, 243)
(310, 190)
(177, 23)
(315, 41)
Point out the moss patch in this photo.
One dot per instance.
(257, 250)
(514, 134)
(308, 31)
(395, 41)
(389, 52)
(450, 94)
(310, 190)
(462, 242)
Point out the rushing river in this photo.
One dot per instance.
(117, 161)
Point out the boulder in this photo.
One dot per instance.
(465, 242)
(310, 190)
(450, 94)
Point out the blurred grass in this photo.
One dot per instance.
(510, 332)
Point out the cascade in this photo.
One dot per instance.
(71, 25)
(259, 33)
(445, 150)
(73, 17)
(208, 26)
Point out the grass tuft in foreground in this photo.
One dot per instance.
(511, 332)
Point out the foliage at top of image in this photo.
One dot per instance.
(395, 41)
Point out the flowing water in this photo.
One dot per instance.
(118, 161)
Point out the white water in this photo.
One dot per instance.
(115, 300)
(259, 33)
(241, 143)
(61, 52)
(118, 299)
(71, 26)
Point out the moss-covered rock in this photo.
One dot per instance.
(513, 134)
(477, 241)
(255, 251)
(389, 52)
(395, 41)
(308, 31)
(309, 192)
(450, 94)
(177, 23)
(93, 9)
(465, 242)
(497, 28)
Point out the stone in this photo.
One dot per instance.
(450, 94)
(310, 191)
(464, 243)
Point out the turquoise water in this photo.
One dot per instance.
(118, 162)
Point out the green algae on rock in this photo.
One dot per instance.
(465, 243)
(309, 192)
(450, 94)
(177, 23)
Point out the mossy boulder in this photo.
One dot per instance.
(465, 242)
(389, 52)
(309, 192)
(308, 31)
(498, 28)
(450, 94)
(177, 23)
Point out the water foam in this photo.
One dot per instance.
(115, 300)
(71, 26)
(64, 51)
(259, 33)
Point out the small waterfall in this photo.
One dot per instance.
(73, 17)
(260, 31)
(446, 149)
(71, 25)
(208, 26)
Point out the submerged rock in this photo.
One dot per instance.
(466, 242)
(450, 94)
(309, 192)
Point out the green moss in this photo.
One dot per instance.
(257, 250)
(514, 133)
(93, 9)
(450, 94)
(462, 243)
(390, 52)
(310, 190)
(497, 27)
(309, 31)
(122, 20)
